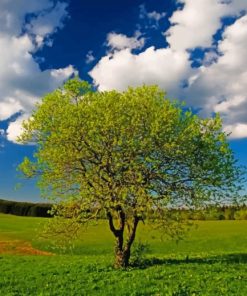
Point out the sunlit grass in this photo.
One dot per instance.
(210, 261)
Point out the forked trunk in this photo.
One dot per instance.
(122, 251)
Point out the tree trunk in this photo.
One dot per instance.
(122, 259)
(122, 252)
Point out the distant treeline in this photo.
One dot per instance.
(24, 208)
(208, 213)
(216, 213)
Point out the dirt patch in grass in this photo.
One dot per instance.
(16, 247)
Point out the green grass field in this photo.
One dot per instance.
(210, 261)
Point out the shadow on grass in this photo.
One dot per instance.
(226, 258)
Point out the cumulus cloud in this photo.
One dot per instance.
(120, 41)
(12, 14)
(9, 107)
(48, 21)
(236, 131)
(195, 24)
(15, 127)
(218, 85)
(153, 66)
(221, 87)
(22, 82)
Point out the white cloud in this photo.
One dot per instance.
(195, 24)
(153, 66)
(63, 73)
(9, 107)
(47, 22)
(219, 85)
(120, 41)
(15, 128)
(225, 106)
(22, 82)
(12, 14)
(236, 131)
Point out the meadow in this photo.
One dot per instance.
(211, 260)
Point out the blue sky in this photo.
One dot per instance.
(193, 49)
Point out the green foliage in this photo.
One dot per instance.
(139, 254)
(241, 214)
(133, 155)
(233, 212)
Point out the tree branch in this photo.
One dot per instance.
(111, 224)
(132, 234)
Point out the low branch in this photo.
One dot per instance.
(132, 234)
(111, 224)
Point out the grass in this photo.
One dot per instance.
(66, 275)
(211, 261)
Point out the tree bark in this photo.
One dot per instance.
(122, 259)
(122, 252)
(131, 238)
(119, 236)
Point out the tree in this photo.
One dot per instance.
(133, 156)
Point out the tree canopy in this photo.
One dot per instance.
(131, 155)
